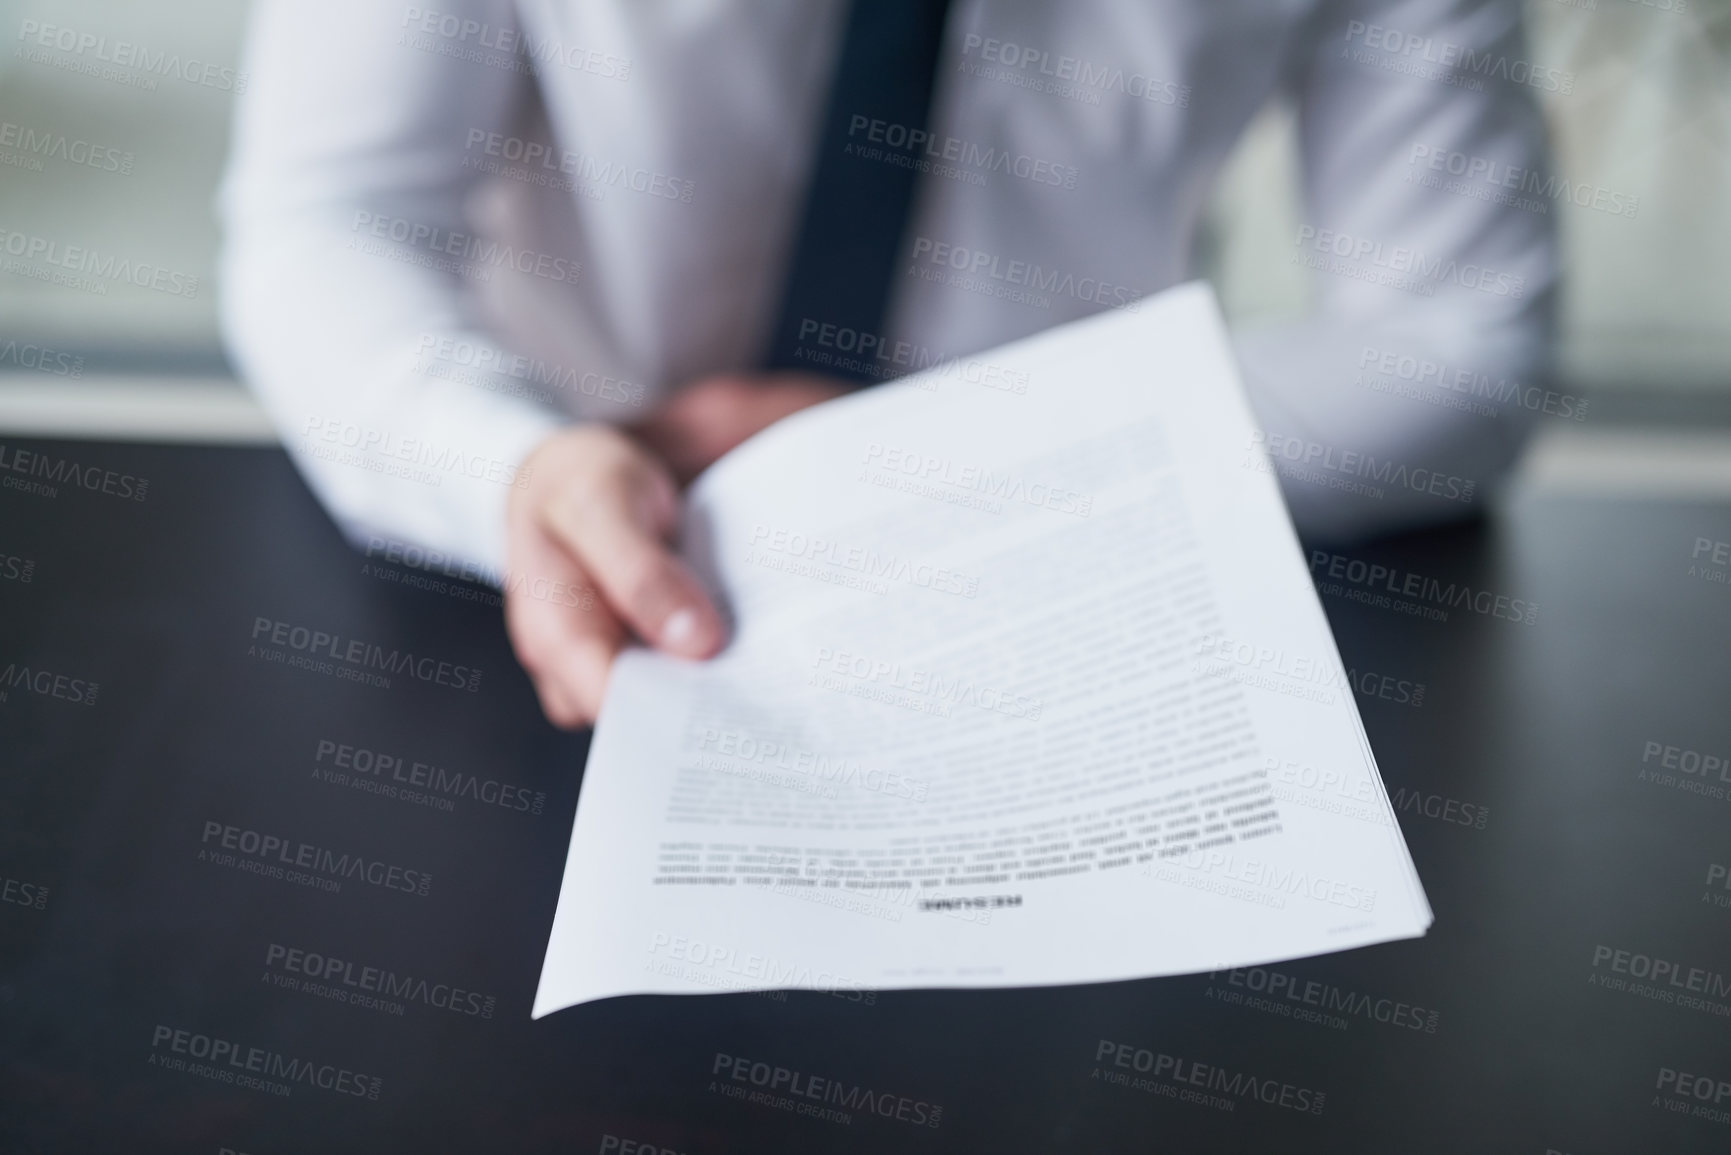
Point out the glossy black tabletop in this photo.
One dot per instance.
(253, 903)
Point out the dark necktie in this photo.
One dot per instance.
(862, 188)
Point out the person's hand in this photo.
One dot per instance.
(593, 522)
(592, 525)
(712, 415)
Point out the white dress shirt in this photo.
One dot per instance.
(454, 226)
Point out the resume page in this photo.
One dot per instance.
(1027, 684)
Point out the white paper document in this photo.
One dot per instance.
(1028, 684)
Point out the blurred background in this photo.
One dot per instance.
(133, 161)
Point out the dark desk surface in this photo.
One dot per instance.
(1546, 843)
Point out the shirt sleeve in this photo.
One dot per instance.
(1408, 388)
(348, 264)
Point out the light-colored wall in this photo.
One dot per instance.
(161, 212)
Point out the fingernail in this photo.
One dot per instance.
(679, 631)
